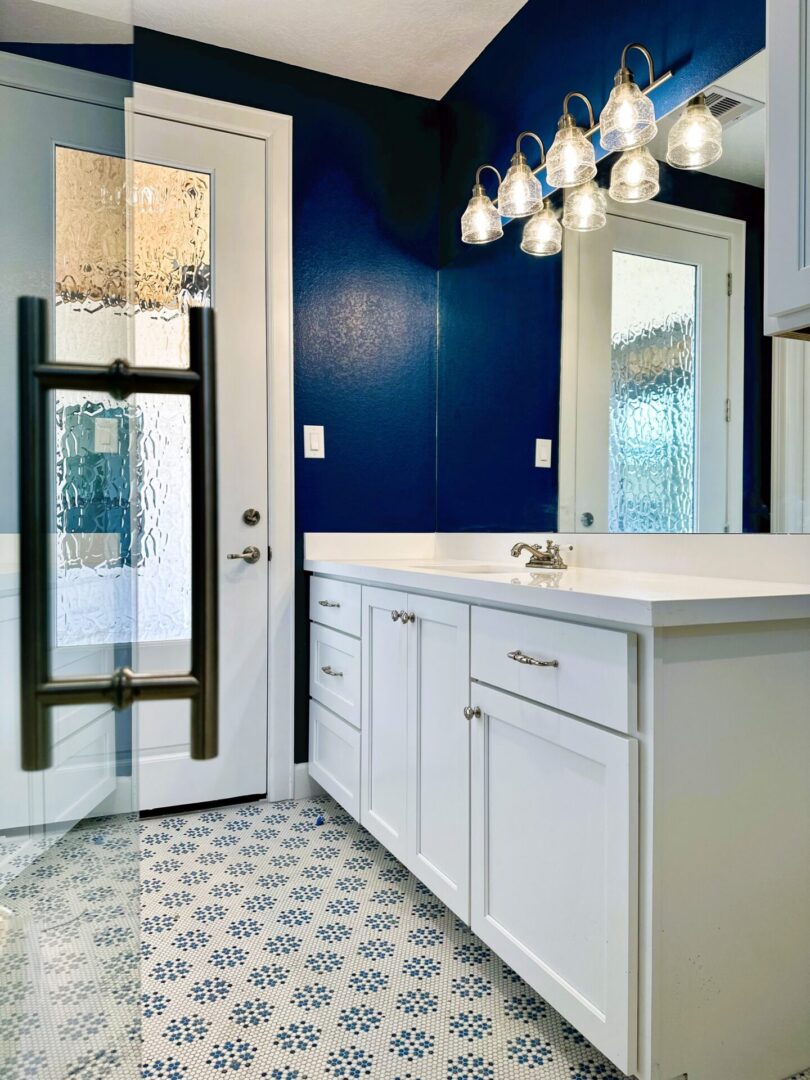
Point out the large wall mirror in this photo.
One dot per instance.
(677, 413)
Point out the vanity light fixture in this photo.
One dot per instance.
(628, 119)
(520, 192)
(481, 222)
(542, 234)
(585, 208)
(696, 138)
(634, 177)
(571, 159)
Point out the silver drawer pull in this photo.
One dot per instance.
(329, 603)
(522, 658)
(328, 670)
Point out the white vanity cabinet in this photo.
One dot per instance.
(787, 187)
(415, 773)
(607, 780)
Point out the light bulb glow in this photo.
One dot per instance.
(695, 139)
(520, 193)
(585, 208)
(571, 159)
(634, 177)
(542, 234)
(628, 119)
(480, 222)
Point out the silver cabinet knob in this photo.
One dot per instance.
(472, 712)
(395, 615)
(407, 616)
(250, 554)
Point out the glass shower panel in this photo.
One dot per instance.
(653, 396)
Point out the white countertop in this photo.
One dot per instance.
(621, 596)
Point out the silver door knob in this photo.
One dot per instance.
(472, 712)
(250, 554)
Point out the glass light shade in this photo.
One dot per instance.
(628, 119)
(634, 177)
(520, 193)
(571, 159)
(480, 222)
(585, 208)
(542, 234)
(696, 138)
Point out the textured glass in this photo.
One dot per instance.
(696, 139)
(123, 469)
(652, 422)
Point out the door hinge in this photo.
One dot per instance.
(728, 410)
(269, 553)
(729, 283)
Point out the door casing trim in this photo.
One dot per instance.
(275, 129)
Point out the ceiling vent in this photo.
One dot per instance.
(730, 108)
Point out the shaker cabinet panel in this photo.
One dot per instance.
(384, 724)
(554, 861)
(439, 748)
(787, 185)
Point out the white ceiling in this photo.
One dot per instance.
(419, 46)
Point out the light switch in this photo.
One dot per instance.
(105, 435)
(542, 453)
(313, 441)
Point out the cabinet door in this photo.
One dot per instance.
(787, 188)
(439, 748)
(383, 771)
(554, 861)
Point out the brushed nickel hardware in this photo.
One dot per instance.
(549, 558)
(251, 516)
(395, 615)
(407, 616)
(40, 691)
(472, 712)
(329, 670)
(586, 519)
(329, 603)
(521, 658)
(250, 554)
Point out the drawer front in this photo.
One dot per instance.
(334, 757)
(335, 603)
(334, 671)
(595, 672)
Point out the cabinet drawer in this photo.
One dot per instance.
(335, 603)
(334, 671)
(595, 676)
(334, 757)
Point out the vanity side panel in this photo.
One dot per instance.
(730, 934)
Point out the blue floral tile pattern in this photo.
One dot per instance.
(307, 952)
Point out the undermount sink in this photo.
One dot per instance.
(461, 567)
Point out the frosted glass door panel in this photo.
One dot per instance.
(651, 480)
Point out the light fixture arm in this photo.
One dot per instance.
(479, 187)
(531, 135)
(567, 113)
(624, 74)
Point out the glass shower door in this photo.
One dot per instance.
(69, 852)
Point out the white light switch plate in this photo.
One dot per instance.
(542, 453)
(313, 441)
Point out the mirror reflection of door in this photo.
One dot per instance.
(651, 360)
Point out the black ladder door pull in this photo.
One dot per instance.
(39, 691)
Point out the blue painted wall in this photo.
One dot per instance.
(498, 312)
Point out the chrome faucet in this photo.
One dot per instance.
(548, 559)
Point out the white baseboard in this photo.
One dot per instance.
(304, 787)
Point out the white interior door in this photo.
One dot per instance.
(652, 451)
(210, 186)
